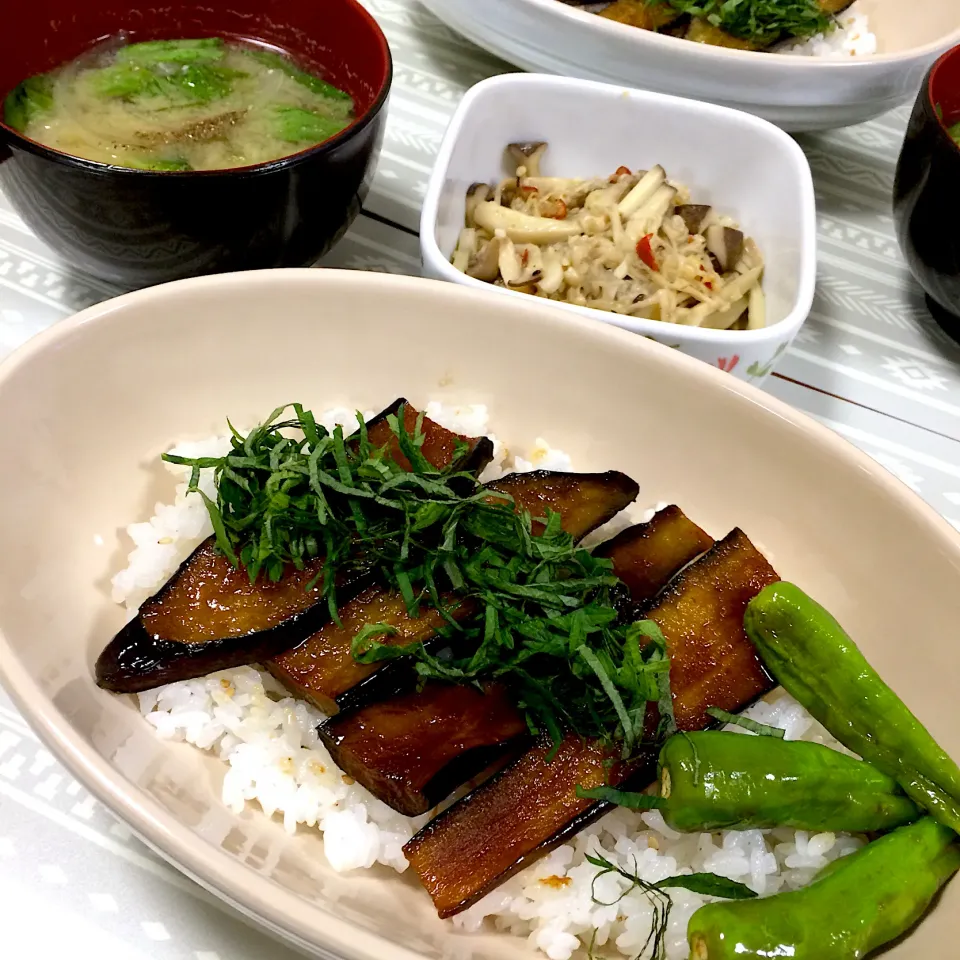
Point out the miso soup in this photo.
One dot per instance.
(178, 105)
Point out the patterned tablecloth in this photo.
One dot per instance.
(870, 363)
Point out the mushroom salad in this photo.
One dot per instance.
(631, 243)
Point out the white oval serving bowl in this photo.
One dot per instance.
(744, 166)
(796, 93)
(89, 405)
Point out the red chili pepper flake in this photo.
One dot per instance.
(528, 188)
(559, 212)
(645, 253)
(525, 257)
(708, 284)
(620, 172)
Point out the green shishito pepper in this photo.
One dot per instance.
(713, 780)
(809, 653)
(853, 906)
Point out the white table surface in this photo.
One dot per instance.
(870, 363)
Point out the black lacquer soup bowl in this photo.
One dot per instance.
(926, 200)
(137, 227)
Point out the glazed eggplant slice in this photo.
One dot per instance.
(532, 806)
(702, 31)
(208, 616)
(411, 751)
(712, 664)
(585, 501)
(514, 819)
(834, 6)
(645, 14)
(441, 447)
(648, 556)
(322, 669)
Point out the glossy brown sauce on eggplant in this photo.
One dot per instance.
(399, 748)
(440, 445)
(493, 831)
(210, 599)
(712, 663)
(584, 500)
(323, 667)
(647, 556)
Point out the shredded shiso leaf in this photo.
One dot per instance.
(622, 798)
(547, 625)
(754, 726)
(761, 21)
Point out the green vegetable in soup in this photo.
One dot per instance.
(172, 105)
(124, 80)
(855, 905)
(302, 126)
(953, 129)
(197, 83)
(276, 61)
(809, 653)
(159, 165)
(154, 52)
(27, 101)
(203, 83)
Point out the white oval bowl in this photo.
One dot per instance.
(88, 406)
(796, 93)
(744, 166)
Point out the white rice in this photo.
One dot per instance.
(851, 37)
(274, 758)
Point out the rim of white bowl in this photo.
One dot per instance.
(783, 329)
(720, 54)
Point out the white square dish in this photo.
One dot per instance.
(744, 166)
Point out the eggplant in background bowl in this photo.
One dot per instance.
(926, 200)
(796, 93)
(138, 227)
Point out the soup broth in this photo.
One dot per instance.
(174, 105)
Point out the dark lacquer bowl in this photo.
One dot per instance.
(926, 199)
(136, 227)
